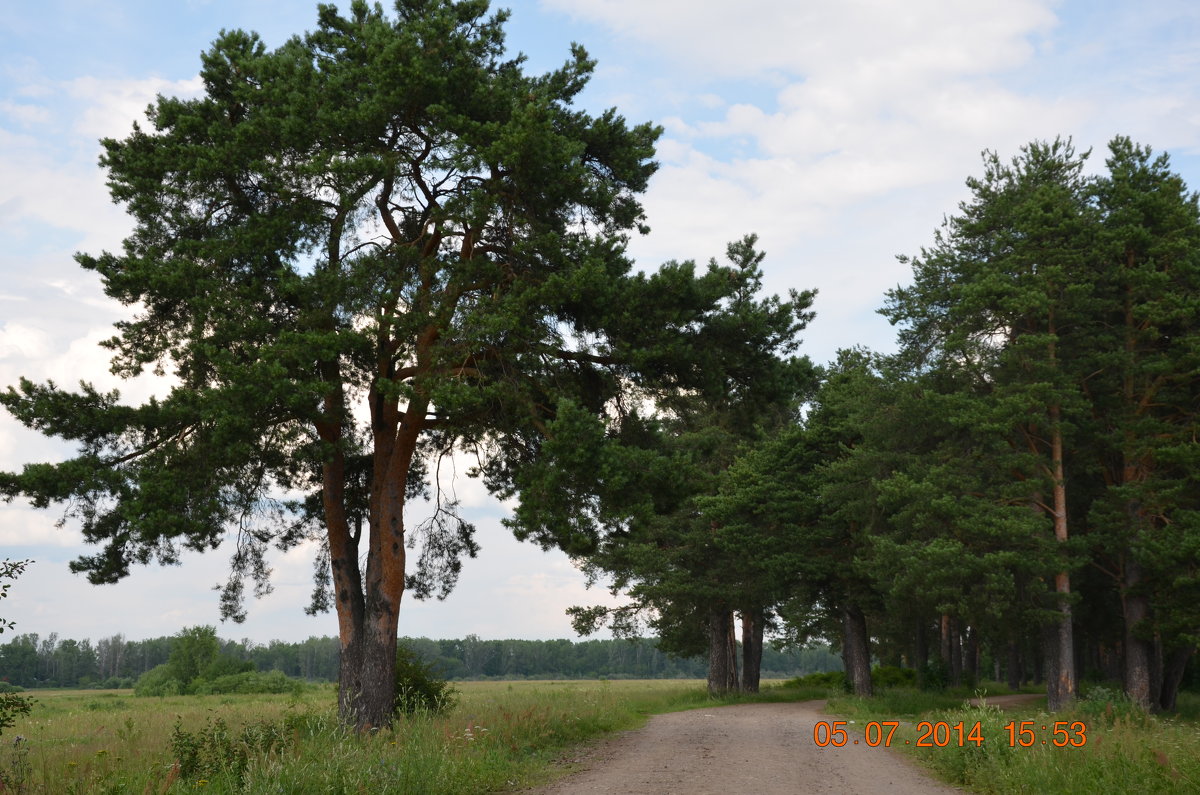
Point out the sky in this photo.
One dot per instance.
(840, 133)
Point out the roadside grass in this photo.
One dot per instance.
(503, 736)
(1121, 748)
(500, 736)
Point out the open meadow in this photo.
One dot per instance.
(500, 735)
(504, 736)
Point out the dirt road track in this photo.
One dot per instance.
(748, 748)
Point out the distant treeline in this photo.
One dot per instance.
(33, 661)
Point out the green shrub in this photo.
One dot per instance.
(835, 680)
(224, 665)
(9, 687)
(158, 681)
(418, 686)
(249, 682)
(891, 676)
(116, 683)
(934, 675)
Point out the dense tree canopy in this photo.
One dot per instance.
(685, 573)
(1036, 428)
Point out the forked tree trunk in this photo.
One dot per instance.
(368, 607)
(752, 648)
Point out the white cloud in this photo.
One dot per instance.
(46, 187)
(22, 526)
(61, 186)
(24, 114)
(20, 341)
(917, 37)
(111, 106)
(874, 103)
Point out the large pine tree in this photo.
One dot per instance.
(374, 245)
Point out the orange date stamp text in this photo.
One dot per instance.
(940, 734)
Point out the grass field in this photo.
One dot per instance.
(500, 735)
(509, 735)
(1120, 748)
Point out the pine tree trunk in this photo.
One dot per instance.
(368, 606)
(1014, 666)
(971, 655)
(956, 653)
(856, 651)
(1050, 661)
(1138, 651)
(722, 660)
(1060, 691)
(752, 647)
(921, 653)
(732, 650)
(1173, 671)
(1157, 662)
(366, 682)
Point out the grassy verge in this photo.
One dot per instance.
(1119, 748)
(501, 735)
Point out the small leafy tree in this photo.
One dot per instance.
(194, 651)
(11, 704)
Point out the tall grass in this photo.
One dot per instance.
(1126, 750)
(501, 735)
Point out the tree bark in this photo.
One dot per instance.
(856, 651)
(1173, 671)
(1050, 661)
(368, 607)
(944, 638)
(1136, 609)
(921, 653)
(956, 653)
(722, 659)
(971, 655)
(752, 647)
(1014, 666)
(1060, 691)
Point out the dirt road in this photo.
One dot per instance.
(748, 748)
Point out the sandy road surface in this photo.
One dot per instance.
(747, 748)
